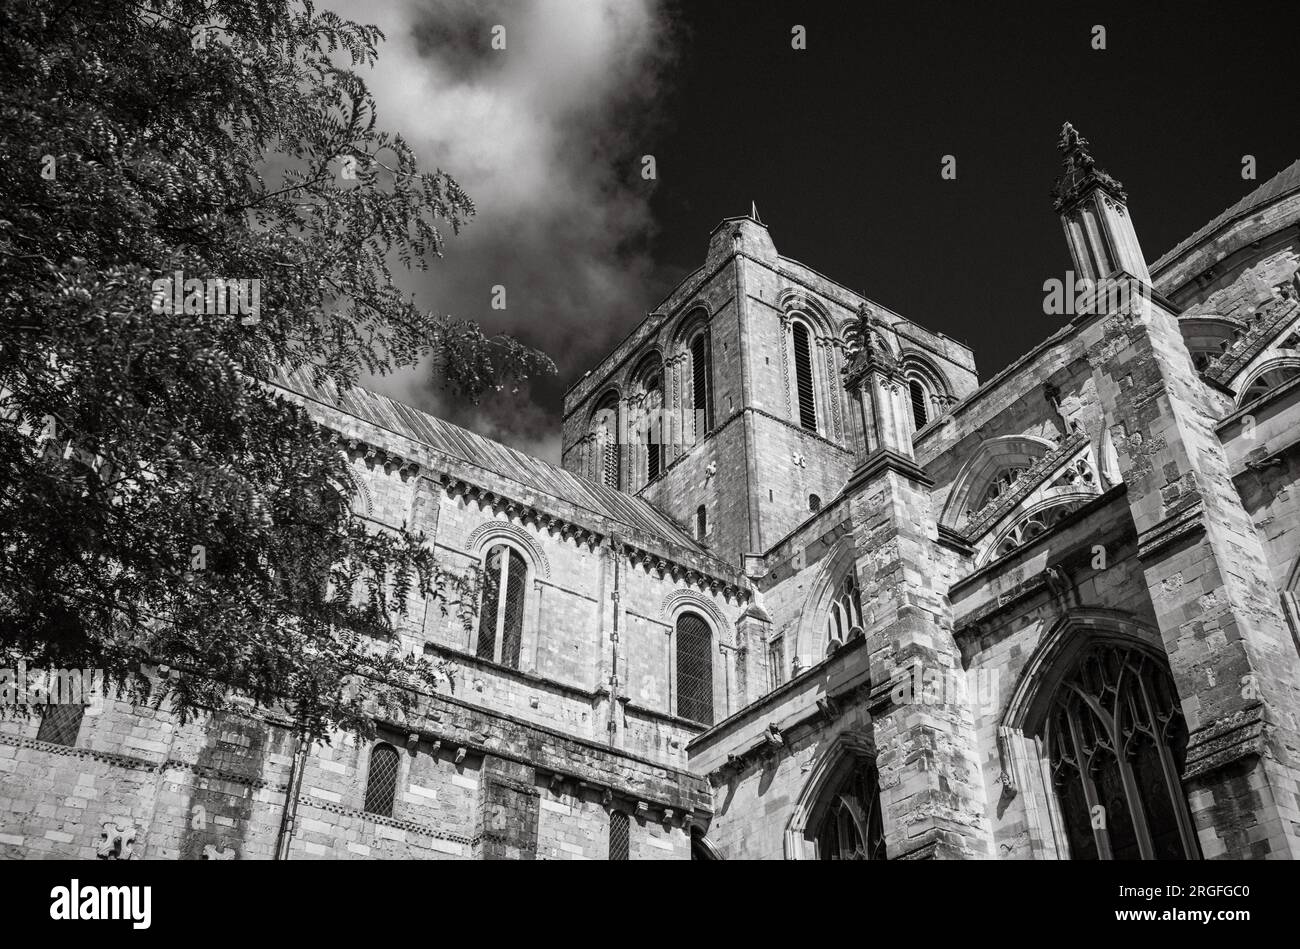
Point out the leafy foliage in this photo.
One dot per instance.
(160, 503)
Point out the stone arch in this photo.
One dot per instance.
(913, 360)
(679, 601)
(811, 629)
(1281, 366)
(481, 539)
(845, 752)
(989, 459)
(693, 317)
(793, 301)
(1067, 497)
(1052, 658)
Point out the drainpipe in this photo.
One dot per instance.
(616, 545)
(289, 817)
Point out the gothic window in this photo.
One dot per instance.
(381, 782)
(803, 377)
(607, 446)
(1267, 381)
(702, 383)
(850, 828)
(501, 616)
(1033, 525)
(845, 619)
(694, 669)
(620, 835)
(1117, 740)
(654, 435)
(920, 402)
(60, 724)
(701, 522)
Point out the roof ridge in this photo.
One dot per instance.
(1243, 205)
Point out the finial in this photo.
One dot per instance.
(753, 212)
(1081, 170)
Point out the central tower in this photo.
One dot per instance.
(726, 406)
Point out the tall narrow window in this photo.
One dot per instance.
(694, 669)
(803, 377)
(702, 384)
(501, 615)
(701, 522)
(381, 782)
(607, 446)
(845, 619)
(60, 724)
(654, 436)
(920, 412)
(850, 827)
(1118, 741)
(620, 835)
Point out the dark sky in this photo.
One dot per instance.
(840, 146)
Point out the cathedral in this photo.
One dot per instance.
(806, 587)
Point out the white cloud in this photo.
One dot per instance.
(546, 137)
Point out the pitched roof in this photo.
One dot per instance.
(1280, 184)
(529, 472)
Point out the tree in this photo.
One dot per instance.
(159, 504)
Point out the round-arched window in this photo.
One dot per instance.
(501, 612)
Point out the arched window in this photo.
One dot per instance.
(803, 377)
(845, 619)
(1032, 525)
(654, 434)
(850, 827)
(814, 503)
(1117, 740)
(381, 782)
(702, 383)
(694, 669)
(501, 616)
(1268, 381)
(605, 427)
(620, 835)
(920, 397)
(701, 522)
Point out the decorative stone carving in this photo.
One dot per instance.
(118, 841)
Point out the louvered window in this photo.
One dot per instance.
(501, 617)
(701, 383)
(653, 429)
(381, 782)
(620, 835)
(60, 724)
(919, 413)
(803, 376)
(694, 669)
(606, 429)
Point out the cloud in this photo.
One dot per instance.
(546, 136)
